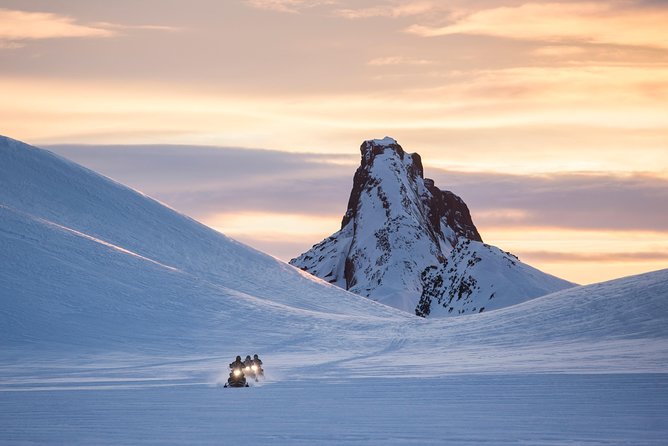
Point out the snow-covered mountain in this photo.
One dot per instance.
(410, 245)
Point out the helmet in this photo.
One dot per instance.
(247, 356)
(238, 358)
(255, 356)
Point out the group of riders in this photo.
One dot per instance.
(239, 370)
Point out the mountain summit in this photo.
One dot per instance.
(408, 244)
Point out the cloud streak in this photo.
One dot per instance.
(205, 181)
(288, 6)
(398, 60)
(208, 181)
(606, 257)
(19, 26)
(598, 23)
(24, 25)
(586, 201)
(392, 10)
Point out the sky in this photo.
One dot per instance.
(550, 119)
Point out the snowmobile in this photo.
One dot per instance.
(236, 379)
(255, 371)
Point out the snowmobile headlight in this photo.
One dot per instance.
(254, 367)
(237, 372)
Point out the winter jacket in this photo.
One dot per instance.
(237, 364)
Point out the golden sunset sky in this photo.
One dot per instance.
(550, 119)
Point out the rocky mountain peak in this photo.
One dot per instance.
(398, 236)
(383, 161)
(388, 146)
(372, 147)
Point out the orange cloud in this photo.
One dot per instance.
(558, 22)
(23, 25)
(559, 51)
(579, 241)
(398, 60)
(504, 115)
(392, 11)
(272, 225)
(577, 255)
(607, 257)
(291, 6)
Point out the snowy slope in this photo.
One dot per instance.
(478, 277)
(80, 251)
(410, 245)
(118, 317)
(582, 329)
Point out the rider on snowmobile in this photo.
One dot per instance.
(237, 364)
(257, 363)
(237, 377)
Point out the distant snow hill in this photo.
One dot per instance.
(410, 245)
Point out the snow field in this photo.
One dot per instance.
(463, 409)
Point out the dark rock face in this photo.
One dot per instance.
(408, 244)
(448, 207)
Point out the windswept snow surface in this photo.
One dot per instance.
(118, 317)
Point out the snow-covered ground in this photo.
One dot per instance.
(118, 318)
(465, 409)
